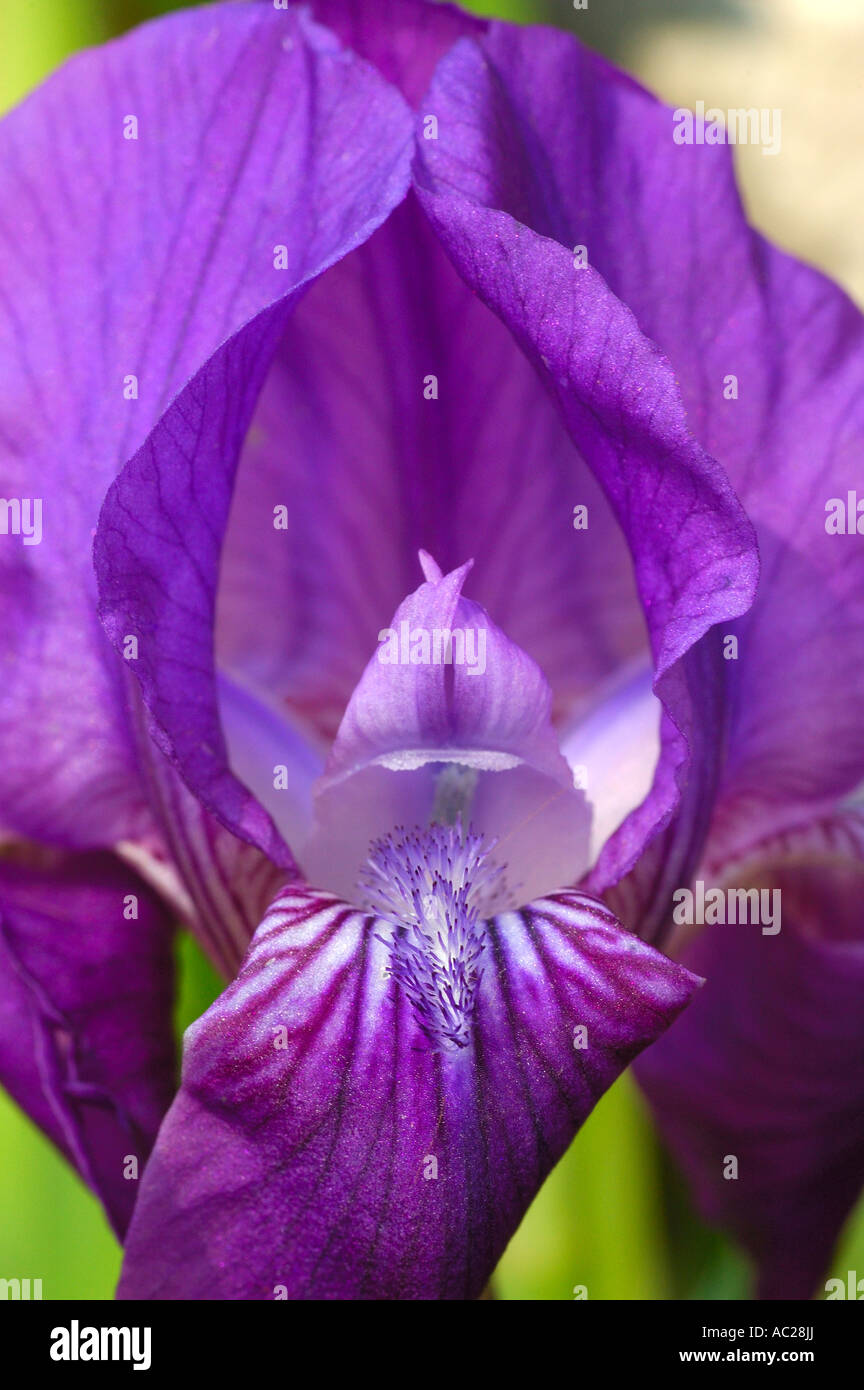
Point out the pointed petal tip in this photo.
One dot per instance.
(432, 571)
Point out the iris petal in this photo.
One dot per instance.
(337, 147)
(403, 39)
(144, 189)
(400, 414)
(321, 1148)
(86, 1036)
(766, 1068)
(450, 720)
(505, 214)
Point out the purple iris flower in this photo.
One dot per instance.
(421, 656)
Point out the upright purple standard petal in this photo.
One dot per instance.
(334, 1140)
(157, 551)
(508, 224)
(156, 195)
(768, 355)
(86, 1035)
(400, 414)
(403, 39)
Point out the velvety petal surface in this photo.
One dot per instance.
(86, 1034)
(489, 188)
(145, 189)
(767, 1067)
(319, 1147)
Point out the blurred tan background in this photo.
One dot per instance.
(805, 57)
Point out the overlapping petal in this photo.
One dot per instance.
(86, 1035)
(319, 1148)
(768, 355)
(216, 882)
(400, 414)
(403, 39)
(490, 190)
(766, 1067)
(340, 162)
(145, 191)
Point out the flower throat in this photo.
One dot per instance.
(431, 885)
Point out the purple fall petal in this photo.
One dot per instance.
(320, 1147)
(86, 1034)
(767, 1066)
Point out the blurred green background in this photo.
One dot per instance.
(613, 1217)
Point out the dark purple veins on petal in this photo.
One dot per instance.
(319, 1148)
